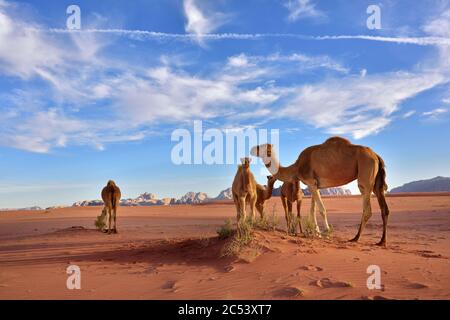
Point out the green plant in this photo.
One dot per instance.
(242, 238)
(267, 222)
(294, 224)
(226, 230)
(328, 233)
(100, 222)
(308, 227)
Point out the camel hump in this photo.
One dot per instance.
(339, 140)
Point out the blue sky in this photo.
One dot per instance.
(79, 108)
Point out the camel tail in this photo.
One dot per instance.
(114, 196)
(379, 190)
(381, 187)
(380, 180)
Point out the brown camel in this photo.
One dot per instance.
(244, 190)
(292, 193)
(111, 197)
(264, 193)
(334, 163)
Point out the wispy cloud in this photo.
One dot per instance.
(435, 113)
(199, 23)
(128, 98)
(440, 25)
(152, 35)
(301, 9)
(354, 105)
(408, 114)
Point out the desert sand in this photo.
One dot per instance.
(173, 252)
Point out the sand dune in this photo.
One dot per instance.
(173, 253)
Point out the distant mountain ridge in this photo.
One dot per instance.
(324, 192)
(150, 199)
(436, 184)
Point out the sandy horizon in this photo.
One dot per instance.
(173, 252)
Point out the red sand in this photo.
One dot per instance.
(173, 253)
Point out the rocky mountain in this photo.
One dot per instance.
(225, 195)
(150, 199)
(34, 208)
(324, 192)
(145, 199)
(437, 184)
(191, 198)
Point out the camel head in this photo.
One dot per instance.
(111, 183)
(271, 179)
(246, 162)
(263, 150)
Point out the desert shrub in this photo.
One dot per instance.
(226, 230)
(239, 240)
(100, 222)
(308, 226)
(268, 222)
(294, 224)
(329, 233)
(204, 241)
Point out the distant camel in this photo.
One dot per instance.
(334, 163)
(244, 191)
(264, 193)
(291, 193)
(111, 197)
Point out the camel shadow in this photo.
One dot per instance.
(198, 252)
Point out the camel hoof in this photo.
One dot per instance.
(381, 244)
(115, 231)
(355, 239)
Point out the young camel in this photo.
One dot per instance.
(244, 191)
(264, 193)
(334, 163)
(111, 197)
(292, 193)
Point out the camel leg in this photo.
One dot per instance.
(299, 217)
(367, 212)
(242, 213)
(284, 203)
(384, 214)
(253, 208)
(114, 216)
(312, 215)
(109, 219)
(312, 212)
(259, 208)
(322, 209)
(290, 216)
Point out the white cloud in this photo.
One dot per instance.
(408, 114)
(439, 26)
(126, 99)
(302, 61)
(300, 9)
(355, 105)
(435, 113)
(23, 52)
(199, 23)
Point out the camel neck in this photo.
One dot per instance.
(285, 174)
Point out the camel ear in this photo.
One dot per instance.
(242, 160)
(269, 177)
(249, 160)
